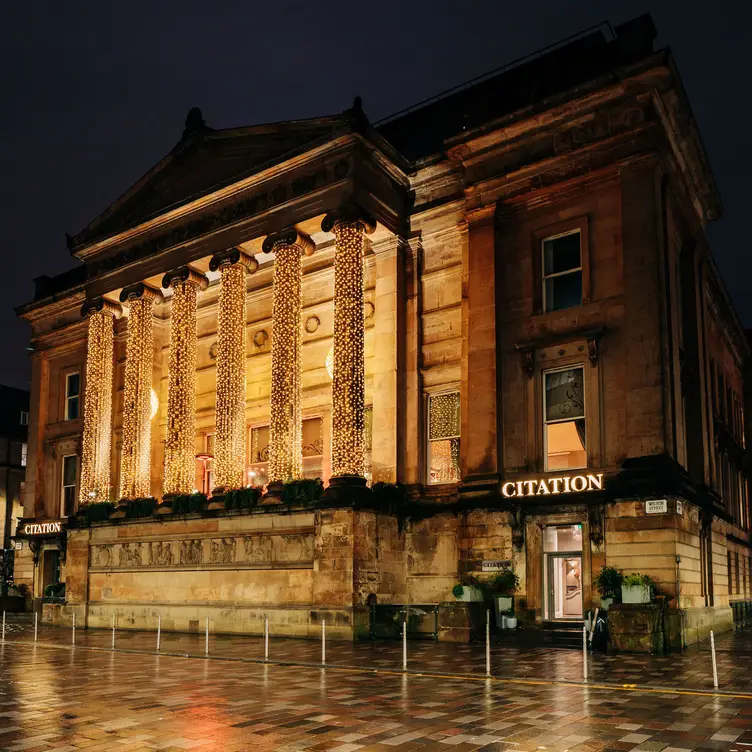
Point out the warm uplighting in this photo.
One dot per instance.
(330, 362)
(154, 400)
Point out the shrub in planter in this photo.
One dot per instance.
(98, 511)
(608, 583)
(470, 588)
(388, 497)
(636, 588)
(242, 498)
(188, 503)
(303, 492)
(56, 590)
(141, 507)
(506, 581)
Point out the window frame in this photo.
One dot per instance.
(68, 397)
(63, 486)
(546, 422)
(560, 229)
(24, 417)
(429, 395)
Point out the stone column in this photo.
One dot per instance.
(180, 442)
(479, 445)
(97, 436)
(349, 225)
(135, 471)
(230, 439)
(285, 417)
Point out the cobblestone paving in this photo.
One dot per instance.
(67, 699)
(691, 669)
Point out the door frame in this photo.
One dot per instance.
(549, 594)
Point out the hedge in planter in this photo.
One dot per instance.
(141, 507)
(188, 503)
(98, 511)
(303, 492)
(608, 583)
(242, 498)
(636, 588)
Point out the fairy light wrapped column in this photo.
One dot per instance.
(180, 450)
(229, 441)
(135, 462)
(285, 417)
(349, 225)
(97, 435)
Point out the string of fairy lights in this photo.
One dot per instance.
(96, 440)
(230, 442)
(135, 475)
(180, 463)
(348, 379)
(285, 420)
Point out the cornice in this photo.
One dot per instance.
(52, 307)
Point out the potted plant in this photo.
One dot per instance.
(470, 589)
(510, 620)
(505, 583)
(608, 583)
(636, 588)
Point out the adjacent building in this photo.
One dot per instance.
(503, 299)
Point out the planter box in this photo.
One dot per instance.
(471, 594)
(635, 594)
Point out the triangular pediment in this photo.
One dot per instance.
(203, 161)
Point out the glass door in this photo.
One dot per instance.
(565, 586)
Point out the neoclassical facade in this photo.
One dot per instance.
(502, 299)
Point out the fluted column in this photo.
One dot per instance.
(135, 463)
(349, 225)
(285, 424)
(230, 439)
(97, 436)
(180, 441)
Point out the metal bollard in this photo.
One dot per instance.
(266, 638)
(584, 652)
(113, 631)
(712, 652)
(36, 625)
(3, 626)
(73, 640)
(488, 643)
(207, 635)
(404, 644)
(159, 630)
(323, 640)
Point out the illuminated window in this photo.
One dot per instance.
(258, 472)
(70, 467)
(24, 449)
(562, 271)
(444, 438)
(313, 447)
(564, 411)
(72, 395)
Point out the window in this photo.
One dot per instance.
(564, 415)
(258, 472)
(313, 447)
(70, 466)
(24, 417)
(72, 395)
(24, 449)
(562, 271)
(444, 438)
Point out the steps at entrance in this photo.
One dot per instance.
(555, 634)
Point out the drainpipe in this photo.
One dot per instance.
(682, 615)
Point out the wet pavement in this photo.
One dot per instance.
(67, 699)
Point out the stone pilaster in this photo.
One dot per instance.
(180, 449)
(97, 436)
(230, 440)
(135, 471)
(349, 226)
(285, 424)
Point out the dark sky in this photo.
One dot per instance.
(94, 93)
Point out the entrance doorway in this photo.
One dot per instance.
(562, 567)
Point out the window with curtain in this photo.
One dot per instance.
(564, 419)
(562, 271)
(444, 438)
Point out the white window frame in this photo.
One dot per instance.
(24, 453)
(546, 422)
(24, 417)
(69, 397)
(427, 435)
(545, 277)
(63, 486)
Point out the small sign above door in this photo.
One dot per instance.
(656, 506)
(495, 565)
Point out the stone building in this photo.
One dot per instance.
(502, 299)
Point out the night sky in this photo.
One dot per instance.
(94, 95)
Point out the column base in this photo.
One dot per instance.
(346, 490)
(274, 492)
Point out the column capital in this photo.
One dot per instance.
(348, 214)
(184, 274)
(233, 256)
(141, 290)
(95, 305)
(291, 237)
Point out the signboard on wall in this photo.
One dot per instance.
(495, 565)
(656, 506)
(54, 527)
(563, 484)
